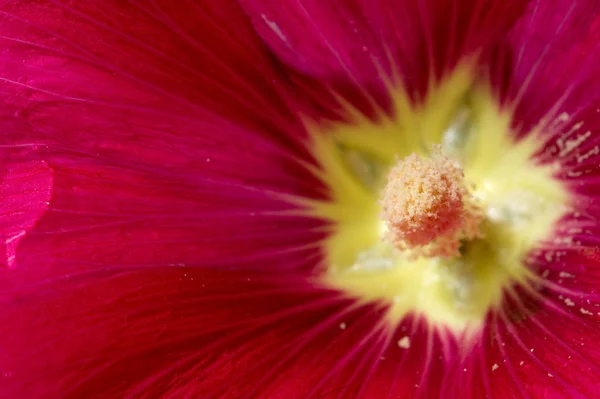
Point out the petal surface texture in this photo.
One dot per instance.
(25, 189)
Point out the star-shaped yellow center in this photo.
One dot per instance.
(458, 221)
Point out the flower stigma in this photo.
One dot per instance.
(435, 208)
(427, 207)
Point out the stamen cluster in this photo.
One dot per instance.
(427, 206)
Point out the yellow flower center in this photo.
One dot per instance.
(415, 234)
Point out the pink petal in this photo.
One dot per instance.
(147, 333)
(551, 345)
(152, 84)
(174, 57)
(163, 153)
(191, 332)
(104, 216)
(552, 55)
(555, 86)
(357, 39)
(25, 192)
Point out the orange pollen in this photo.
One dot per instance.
(427, 207)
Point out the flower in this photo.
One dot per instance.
(191, 199)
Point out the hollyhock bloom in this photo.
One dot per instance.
(195, 199)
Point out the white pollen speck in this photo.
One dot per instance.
(585, 311)
(566, 275)
(464, 369)
(550, 375)
(342, 326)
(563, 117)
(275, 28)
(569, 302)
(566, 146)
(520, 364)
(495, 367)
(404, 342)
(546, 272)
(531, 350)
(593, 151)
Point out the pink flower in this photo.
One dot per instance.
(189, 199)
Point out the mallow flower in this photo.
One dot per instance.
(299, 199)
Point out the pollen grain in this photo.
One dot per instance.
(427, 207)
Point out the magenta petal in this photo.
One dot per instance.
(108, 217)
(174, 57)
(159, 85)
(317, 37)
(356, 40)
(555, 53)
(551, 345)
(184, 331)
(190, 332)
(25, 192)
(148, 333)
(162, 153)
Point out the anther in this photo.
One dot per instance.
(427, 207)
